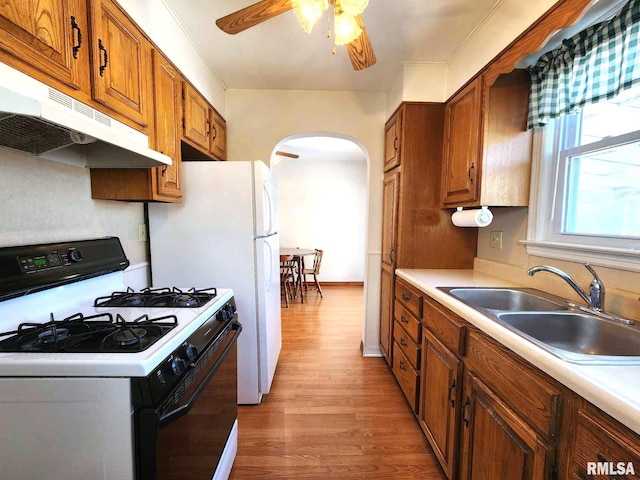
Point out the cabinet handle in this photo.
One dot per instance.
(105, 57)
(452, 389)
(402, 342)
(471, 169)
(405, 297)
(403, 319)
(215, 132)
(392, 254)
(402, 367)
(207, 127)
(464, 412)
(395, 144)
(164, 170)
(76, 43)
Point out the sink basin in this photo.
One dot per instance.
(577, 337)
(521, 300)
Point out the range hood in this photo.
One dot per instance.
(39, 120)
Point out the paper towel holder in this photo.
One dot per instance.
(472, 217)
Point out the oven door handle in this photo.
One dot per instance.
(186, 406)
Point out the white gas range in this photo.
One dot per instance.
(100, 382)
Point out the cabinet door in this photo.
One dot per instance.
(462, 144)
(386, 312)
(392, 142)
(218, 136)
(197, 125)
(496, 443)
(167, 90)
(441, 389)
(390, 197)
(121, 73)
(48, 35)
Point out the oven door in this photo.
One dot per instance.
(185, 437)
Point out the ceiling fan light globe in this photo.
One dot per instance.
(353, 7)
(346, 29)
(308, 12)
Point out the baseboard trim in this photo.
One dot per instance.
(340, 284)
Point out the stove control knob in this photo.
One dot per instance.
(191, 351)
(75, 255)
(223, 315)
(178, 366)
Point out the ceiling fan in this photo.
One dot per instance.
(349, 29)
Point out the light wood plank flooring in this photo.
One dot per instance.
(331, 413)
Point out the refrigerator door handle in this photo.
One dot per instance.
(269, 209)
(269, 266)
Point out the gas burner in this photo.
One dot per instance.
(53, 335)
(158, 297)
(130, 336)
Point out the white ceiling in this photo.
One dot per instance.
(278, 54)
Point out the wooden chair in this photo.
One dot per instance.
(315, 271)
(287, 280)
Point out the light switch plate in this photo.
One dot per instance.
(495, 240)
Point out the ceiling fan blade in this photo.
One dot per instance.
(239, 21)
(360, 50)
(287, 154)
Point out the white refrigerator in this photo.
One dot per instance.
(225, 235)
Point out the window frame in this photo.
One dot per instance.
(544, 218)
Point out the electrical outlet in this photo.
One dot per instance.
(495, 240)
(142, 232)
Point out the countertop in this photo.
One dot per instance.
(614, 389)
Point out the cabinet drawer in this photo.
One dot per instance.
(407, 344)
(410, 323)
(447, 327)
(409, 297)
(406, 376)
(598, 440)
(527, 391)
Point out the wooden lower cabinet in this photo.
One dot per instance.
(496, 443)
(439, 404)
(386, 312)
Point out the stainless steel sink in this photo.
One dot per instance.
(577, 337)
(549, 322)
(526, 299)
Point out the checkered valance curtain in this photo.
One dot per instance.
(596, 64)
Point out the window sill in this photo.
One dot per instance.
(618, 258)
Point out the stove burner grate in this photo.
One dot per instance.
(93, 333)
(158, 297)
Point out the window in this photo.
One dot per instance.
(586, 185)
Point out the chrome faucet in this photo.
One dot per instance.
(595, 297)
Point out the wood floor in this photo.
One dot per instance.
(331, 413)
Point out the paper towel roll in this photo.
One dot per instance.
(472, 218)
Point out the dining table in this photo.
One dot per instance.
(298, 255)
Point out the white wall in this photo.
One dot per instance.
(323, 204)
(258, 119)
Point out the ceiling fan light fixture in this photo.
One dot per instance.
(308, 12)
(346, 28)
(353, 7)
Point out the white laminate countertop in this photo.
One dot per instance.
(614, 389)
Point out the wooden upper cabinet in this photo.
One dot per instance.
(47, 38)
(392, 144)
(462, 124)
(167, 89)
(487, 147)
(218, 146)
(120, 73)
(197, 124)
(203, 127)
